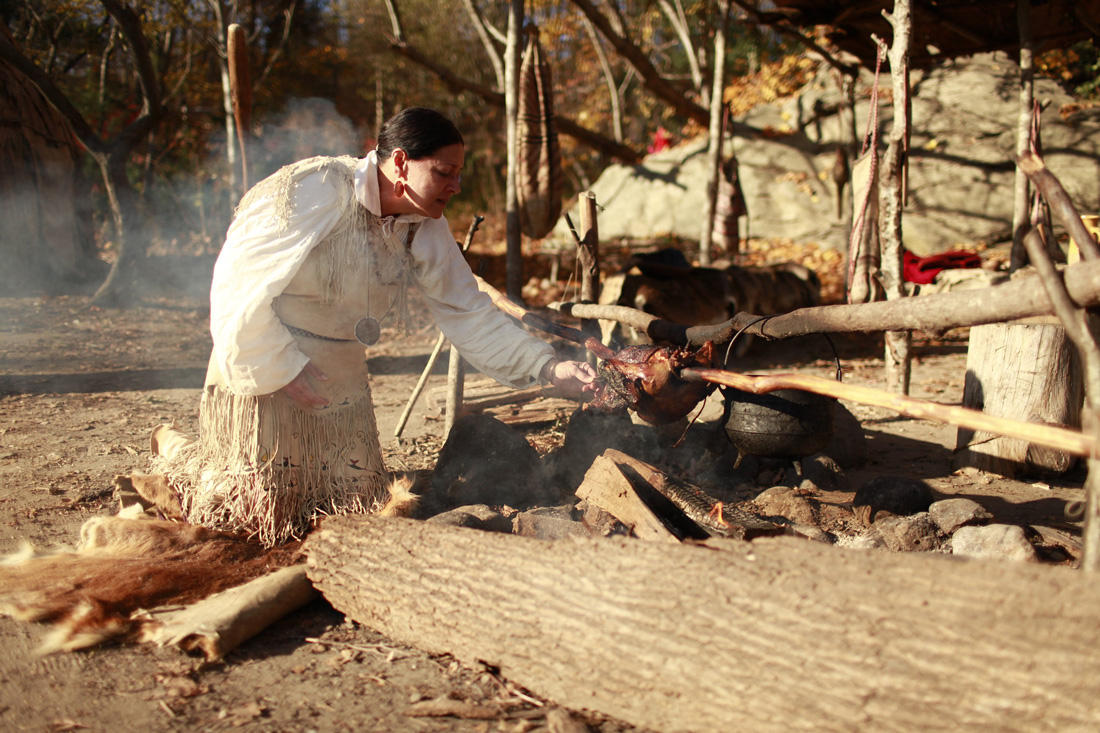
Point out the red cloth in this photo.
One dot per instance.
(923, 270)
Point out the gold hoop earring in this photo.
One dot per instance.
(398, 189)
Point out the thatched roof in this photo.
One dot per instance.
(944, 29)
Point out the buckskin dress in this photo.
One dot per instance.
(306, 258)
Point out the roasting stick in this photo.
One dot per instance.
(536, 321)
(1062, 439)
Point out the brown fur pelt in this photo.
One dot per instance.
(123, 565)
(699, 296)
(131, 562)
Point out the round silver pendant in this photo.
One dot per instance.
(367, 331)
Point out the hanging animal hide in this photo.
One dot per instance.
(538, 169)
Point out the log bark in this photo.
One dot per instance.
(1023, 371)
(607, 487)
(774, 635)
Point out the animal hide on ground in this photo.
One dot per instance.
(127, 568)
(538, 170)
(124, 564)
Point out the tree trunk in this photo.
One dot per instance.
(892, 192)
(514, 252)
(773, 635)
(1021, 197)
(1023, 371)
(117, 289)
(714, 149)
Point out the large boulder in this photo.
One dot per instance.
(961, 171)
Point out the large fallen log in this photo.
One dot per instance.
(1020, 298)
(773, 635)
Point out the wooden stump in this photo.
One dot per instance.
(1024, 371)
(774, 635)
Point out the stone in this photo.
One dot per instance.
(848, 444)
(588, 434)
(869, 539)
(548, 523)
(790, 503)
(475, 516)
(485, 461)
(950, 514)
(821, 473)
(891, 495)
(994, 542)
(959, 163)
(912, 533)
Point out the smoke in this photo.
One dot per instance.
(306, 127)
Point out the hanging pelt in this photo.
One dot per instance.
(538, 170)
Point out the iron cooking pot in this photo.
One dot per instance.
(786, 423)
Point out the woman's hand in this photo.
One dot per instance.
(571, 379)
(301, 390)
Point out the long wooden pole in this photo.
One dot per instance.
(1069, 441)
(1020, 298)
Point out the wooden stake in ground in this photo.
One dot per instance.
(772, 635)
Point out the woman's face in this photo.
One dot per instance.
(431, 181)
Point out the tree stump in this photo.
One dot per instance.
(1025, 371)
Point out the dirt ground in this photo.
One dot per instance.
(80, 389)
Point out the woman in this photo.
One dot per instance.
(316, 257)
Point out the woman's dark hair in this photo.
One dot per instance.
(419, 131)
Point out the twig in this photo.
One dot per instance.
(373, 648)
(432, 358)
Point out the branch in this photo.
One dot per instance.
(1070, 441)
(56, 98)
(565, 125)
(679, 24)
(483, 33)
(395, 21)
(652, 79)
(1020, 298)
(130, 25)
(782, 25)
(1051, 189)
(1073, 319)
